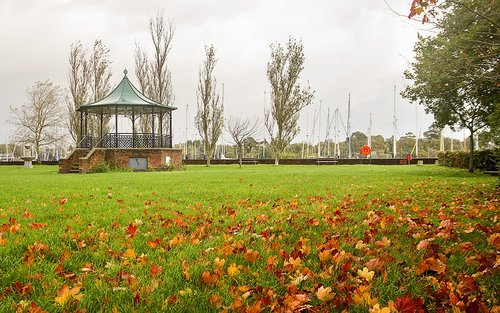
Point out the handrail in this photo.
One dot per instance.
(129, 140)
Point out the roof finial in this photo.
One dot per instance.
(125, 72)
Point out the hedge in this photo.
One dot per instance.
(484, 160)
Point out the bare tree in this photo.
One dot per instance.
(287, 96)
(143, 75)
(37, 122)
(89, 80)
(79, 78)
(155, 73)
(241, 129)
(209, 119)
(99, 63)
(100, 75)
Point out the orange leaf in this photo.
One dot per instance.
(255, 308)
(37, 225)
(324, 294)
(208, 278)
(251, 256)
(2, 240)
(154, 243)
(296, 302)
(383, 243)
(215, 300)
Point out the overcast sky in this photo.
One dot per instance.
(356, 46)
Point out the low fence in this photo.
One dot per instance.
(34, 162)
(282, 161)
(322, 161)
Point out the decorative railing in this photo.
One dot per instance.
(88, 142)
(126, 141)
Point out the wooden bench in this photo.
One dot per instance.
(248, 161)
(492, 173)
(334, 162)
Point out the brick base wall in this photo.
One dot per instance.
(119, 158)
(66, 163)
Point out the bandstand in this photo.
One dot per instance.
(135, 150)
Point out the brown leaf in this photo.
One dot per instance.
(208, 278)
(407, 304)
(251, 256)
(494, 240)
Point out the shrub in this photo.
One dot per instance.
(485, 160)
(101, 167)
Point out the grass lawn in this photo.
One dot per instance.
(260, 238)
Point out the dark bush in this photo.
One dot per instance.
(484, 160)
(487, 160)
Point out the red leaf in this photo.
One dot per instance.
(347, 266)
(62, 201)
(155, 270)
(407, 304)
(154, 243)
(37, 225)
(131, 230)
(137, 299)
(23, 290)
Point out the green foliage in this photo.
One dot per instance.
(485, 160)
(102, 167)
(288, 97)
(455, 72)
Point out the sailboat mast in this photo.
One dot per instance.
(394, 147)
(319, 130)
(370, 132)
(348, 141)
(417, 134)
(328, 124)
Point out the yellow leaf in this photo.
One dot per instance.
(2, 240)
(66, 293)
(233, 270)
(219, 263)
(295, 263)
(324, 294)
(186, 292)
(63, 295)
(368, 275)
(377, 309)
(129, 254)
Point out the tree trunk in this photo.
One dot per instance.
(471, 154)
(240, 155)
(276, 161)
(208, 159)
